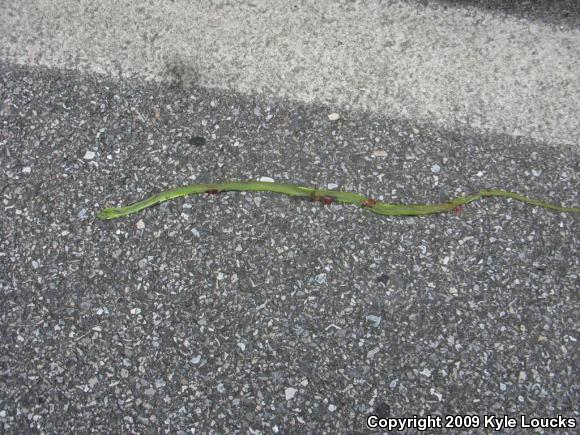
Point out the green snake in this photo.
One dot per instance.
(326, 197)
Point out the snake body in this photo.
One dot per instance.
(327, 197)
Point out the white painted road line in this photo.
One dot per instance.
(454, 67)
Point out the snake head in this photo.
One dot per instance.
(110, 213)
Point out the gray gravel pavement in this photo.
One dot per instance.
(258, 313)
(498, 66)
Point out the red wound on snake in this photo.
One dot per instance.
(369, 202)
(457, 210)
(212, 191)
(327, 200)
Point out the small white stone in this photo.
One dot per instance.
(89, 155)
(140, 225)
(290, 393)
(425, 372)
(242, 346)
(321, 278)
(379, 153)
(266, 179)
(332, 186)
(376, 320)
(333, 116)
(435, 169)
(536, 173)
(196, 359)
(136, 311)
(26, 170)
(371, 353)
(332, 407)
(436, 394)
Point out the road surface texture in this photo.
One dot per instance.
(425, 61)
(258, 313)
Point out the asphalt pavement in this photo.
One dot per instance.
(258, 313)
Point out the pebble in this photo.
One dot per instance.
(435, 169)
(26, 170)
(436, 394)
(334, 116)
(371, 353)
(89, 155)
(376, 320)
(266, 179)
(290, 393)
(140, 225)
(321, 278)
